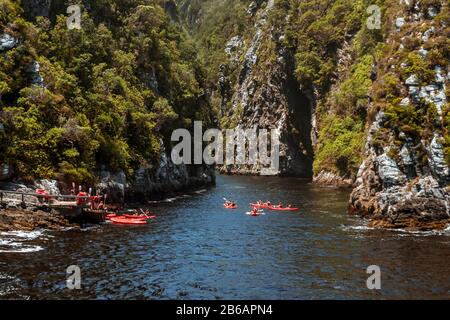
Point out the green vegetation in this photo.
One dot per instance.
(328, 37)
(340, 146)
(212, 23)
(110, 92)
(341, 137)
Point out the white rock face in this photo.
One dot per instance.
(35, 76)
(389, 172)
(232, 48)
(406, 156)
(437, 158)
(405, 102)
(399, 22)
(406, 2)
(7, 42)
(432, 12)
(426, 35)
(440, 78)
(423, 52)
(412, 81)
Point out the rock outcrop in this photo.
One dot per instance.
(154, 182)
(326, 178)
(13, 220)
(7, 42)
(410, 189)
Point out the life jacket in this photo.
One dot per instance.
(81, 201)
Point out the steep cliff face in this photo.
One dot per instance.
(403, 181)
(254, 85)
(267, 96)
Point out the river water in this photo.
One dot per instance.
(195, 249)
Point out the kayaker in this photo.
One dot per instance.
(268, 202)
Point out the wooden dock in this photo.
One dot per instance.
(71, 206)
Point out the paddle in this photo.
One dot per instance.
(146, 215)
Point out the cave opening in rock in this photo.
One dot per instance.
(299, 158)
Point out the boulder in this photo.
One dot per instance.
(7, 42)
(389, 172)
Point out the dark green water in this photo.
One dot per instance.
(195, 249)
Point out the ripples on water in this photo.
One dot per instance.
(195, 249)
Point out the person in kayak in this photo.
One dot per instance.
(229, 204)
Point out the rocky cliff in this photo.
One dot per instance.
(255, 85)
(155, 182)
(403, 180)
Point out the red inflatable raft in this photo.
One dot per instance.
(259, 206)
(140, 216)
(283, 209)
(123, 220)
(230, 206)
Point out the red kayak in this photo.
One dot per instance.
(230, 207)
(140, 216)
(283, 209)
(260, 206)
(123, 220)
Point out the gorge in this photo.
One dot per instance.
(355, 106)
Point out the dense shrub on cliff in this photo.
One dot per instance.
(212, 23)
(106, 94)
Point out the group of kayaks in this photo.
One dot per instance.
(267, 205)
(130, 218)
(257, 208)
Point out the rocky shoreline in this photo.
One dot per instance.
(325, 178)
(30, 220)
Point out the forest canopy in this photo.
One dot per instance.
(105, 95)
